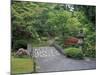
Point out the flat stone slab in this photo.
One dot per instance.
(53, 61)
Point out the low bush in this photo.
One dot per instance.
(73, 53)
(19, 44)
(44, 38)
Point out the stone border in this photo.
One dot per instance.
(59, 48)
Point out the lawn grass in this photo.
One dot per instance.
(21, 65)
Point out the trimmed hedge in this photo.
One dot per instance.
(73, 53)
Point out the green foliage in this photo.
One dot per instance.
(19, 44)
(31, 22)
(90, 45)
(73, 53)
(44, 38)
(73, 24)
(21, 56)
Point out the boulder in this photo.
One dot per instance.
(21, 52)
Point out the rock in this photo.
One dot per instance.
(22, 52)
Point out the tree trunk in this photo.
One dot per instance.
(29, 48)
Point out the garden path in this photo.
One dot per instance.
(50, 60)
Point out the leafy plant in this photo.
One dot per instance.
(31, 22)
(73, 53)
(19, 44)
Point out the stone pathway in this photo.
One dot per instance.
(50, 60)
(45, 52)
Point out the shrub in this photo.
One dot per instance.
(73, 53)
(90, 47)
(20, 44)
(44, 38)
(71, 41)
